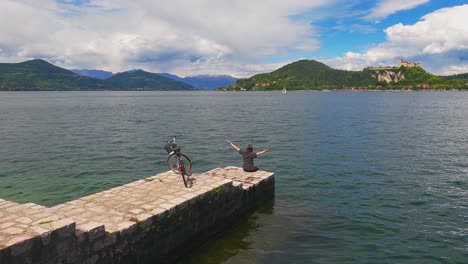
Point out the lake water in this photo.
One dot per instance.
(361, 177)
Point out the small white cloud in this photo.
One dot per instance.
(352, 55)
(388, 7)
(454, 69)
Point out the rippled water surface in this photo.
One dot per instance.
(360, 177)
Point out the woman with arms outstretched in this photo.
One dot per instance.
(248, 155)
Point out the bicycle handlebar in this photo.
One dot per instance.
(172, 139)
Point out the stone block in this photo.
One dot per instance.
(62, 248)
(101, 244)
(64, 228)
(168, 197)
(20, 244)
(122, 247)
(80, 236)
(13, 230)
(40, 216)
(136, 211)
(94, 230)
(147, 207)
(43, 233)
(157, 211)
(178, 200)
(24, 220)
(127, 227)
(167, 206)
(143, 217)
(5, 225)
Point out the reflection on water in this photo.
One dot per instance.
(263, 236)
(232, 241)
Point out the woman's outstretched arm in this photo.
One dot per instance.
(233, 146)
(262, 152)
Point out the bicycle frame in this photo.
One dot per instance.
(180, 164)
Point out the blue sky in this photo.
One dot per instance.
(236, 37)
(355, 33)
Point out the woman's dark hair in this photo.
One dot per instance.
(249, 148)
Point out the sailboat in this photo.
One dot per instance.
(284, 90)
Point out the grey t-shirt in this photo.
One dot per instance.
(248, 160)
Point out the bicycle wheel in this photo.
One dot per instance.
(181, 164)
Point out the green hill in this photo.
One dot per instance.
(458, 80)
(39, 75)
(463, 76)
(302, 75)
(141, 80)
(313, 75)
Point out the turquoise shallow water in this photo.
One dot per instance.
(360, 177)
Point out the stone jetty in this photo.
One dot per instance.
(152, 220)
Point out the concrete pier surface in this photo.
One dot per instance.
(153, 219)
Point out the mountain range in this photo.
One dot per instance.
(99, 74)
(142, 80)
(206, 82)
(39, 75)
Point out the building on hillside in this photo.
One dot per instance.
(408, 64)
(379, 68)
(401, 62)
(423, 85)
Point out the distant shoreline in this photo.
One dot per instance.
(356, 90)
(263, 91)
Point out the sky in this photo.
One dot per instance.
(235, 37)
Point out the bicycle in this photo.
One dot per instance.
(177, 161)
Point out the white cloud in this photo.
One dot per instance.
(439, 41)
(438, 32)
(454, 69)
(388, 7)
(162, 36)
(212, 37)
